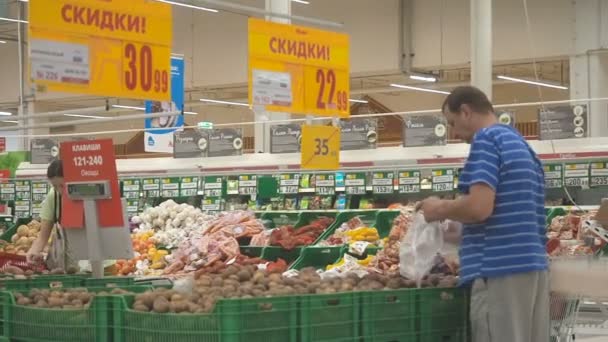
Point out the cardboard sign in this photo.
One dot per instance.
(298, 69)
(91, 160)
(320, 147)
(108, 48)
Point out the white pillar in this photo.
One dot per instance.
(262, 131)
(481, 45)
(588, 65)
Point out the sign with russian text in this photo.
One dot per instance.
(298, 69)
(443, 180)
(553, 176)
(355, 183)
(409, 182)
(91, 161)
(576, 174)
(102, 47)
(382, 182)
(599, 174)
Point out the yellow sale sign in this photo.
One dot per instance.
(298, 69)
(320, 147)
(102, 47)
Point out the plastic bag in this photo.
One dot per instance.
(419, 247)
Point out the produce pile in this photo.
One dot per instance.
(289, 237)
(387, 259)
(250, 282)
(148, 260)
(69, 299)
(352, 231)
(567, 235)
(22, 240)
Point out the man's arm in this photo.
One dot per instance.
(475, 207)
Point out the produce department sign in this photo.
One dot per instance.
(221, 142)
(285, 138)
(102, 47)
(358, 134)
(298, 69)
(187, 144)
(424, 130)
(43, 151)
(563, 122)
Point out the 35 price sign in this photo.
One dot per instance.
(320, 147)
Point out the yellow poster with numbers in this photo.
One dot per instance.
(112, 48)
(298, 69)
(320, 147)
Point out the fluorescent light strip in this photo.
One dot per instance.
(191, 113)
(128, 107)
(6, 113)
(357, 101)
(87, 116)
(419, 89)
(225, 102)
(14, 20)
(2, 41)
(301, 2)
(188, 6)
(520, 80)
(423, 78)
(11, 121)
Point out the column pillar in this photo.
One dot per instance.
(589, 64)
(481, 45)
(262, 130)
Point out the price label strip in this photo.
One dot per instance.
(151, 187)
(23, 190)
(599, 174)
(188, 186)
(107, 48)
(382, 182)
(211, 205)
(354, 183)
(409, 182)
(325, 184)
(169, 187)
(298, 69)
(39, 191)
(7, 191)
(443, 180)
(248, 185)
(131, 188)
(22, 209)
(132, 206)
(213, 187)
(576, 175)
(553, 176)
(289, 183)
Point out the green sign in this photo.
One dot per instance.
(131, 188)
(248, 185)
(289, 183)
(23, 190)
(576, 175)
(213, 186)
(382, 182)
(7, 191)
(210, 205)
(355, 183)
(325, 184)
(39, 191)
(169, 187)
(205, 125)
(151, 187)
(599, 174)
(443, 180)
(22, 209)
(132, 205)
(553, 176)
(409, 182)
(188, 186)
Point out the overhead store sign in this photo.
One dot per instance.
(424, 130)
(43, 151)
(221, 142)
(160, 138)
(358, 134)
(563, 122)
(285, 138)
(298, 69)
(320, 147)
(189, 144)
(107, 48)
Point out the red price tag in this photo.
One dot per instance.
(91, 160)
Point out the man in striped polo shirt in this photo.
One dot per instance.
(502, 245)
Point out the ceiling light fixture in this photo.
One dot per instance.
(191, 113)
(188, 6)
(11, 121)
(357, 101)
(87, 116)
(6, 113)
(302, 2)
(225, 102)
(2, 41)
(128, 107)
(521, 80)
(14, 20)
(419, 89)
(423, 78)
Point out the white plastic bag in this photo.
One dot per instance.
(419, 247)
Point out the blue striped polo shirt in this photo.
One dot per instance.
(512, 240)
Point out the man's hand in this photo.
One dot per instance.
(432, 209)
(34, 256)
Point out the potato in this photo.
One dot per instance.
(22, 231)
(77, 303)
(244, 275)
(218, 282)
(176, 297)
(10, 269)
(24, 301)
(139, 306)
(161, 305)
(42, 303)
(56, 302)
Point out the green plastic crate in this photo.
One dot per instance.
(389, 316)
(442, 314)
(273, 253)
(109, 282)
(332, 317)
(317, 257)
(553, 212)
(234, 320)
(12, 230)
(278, 219)
(384, 222)
(252, 251)
(367, 216)
(44, 282)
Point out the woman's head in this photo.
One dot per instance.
(55, 175)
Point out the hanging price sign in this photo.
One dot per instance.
(248, 185)
(382, 182)
(325, 184)
(188, 186)
(289, 183)
(553, 176)
(599, 174)
(107, 48)
(169, 187)
(576, 174)
(409, 182)
(298, 69)
(354, 183)
(131, 188)
(320, 147)
(213, 186)
(443, 180)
